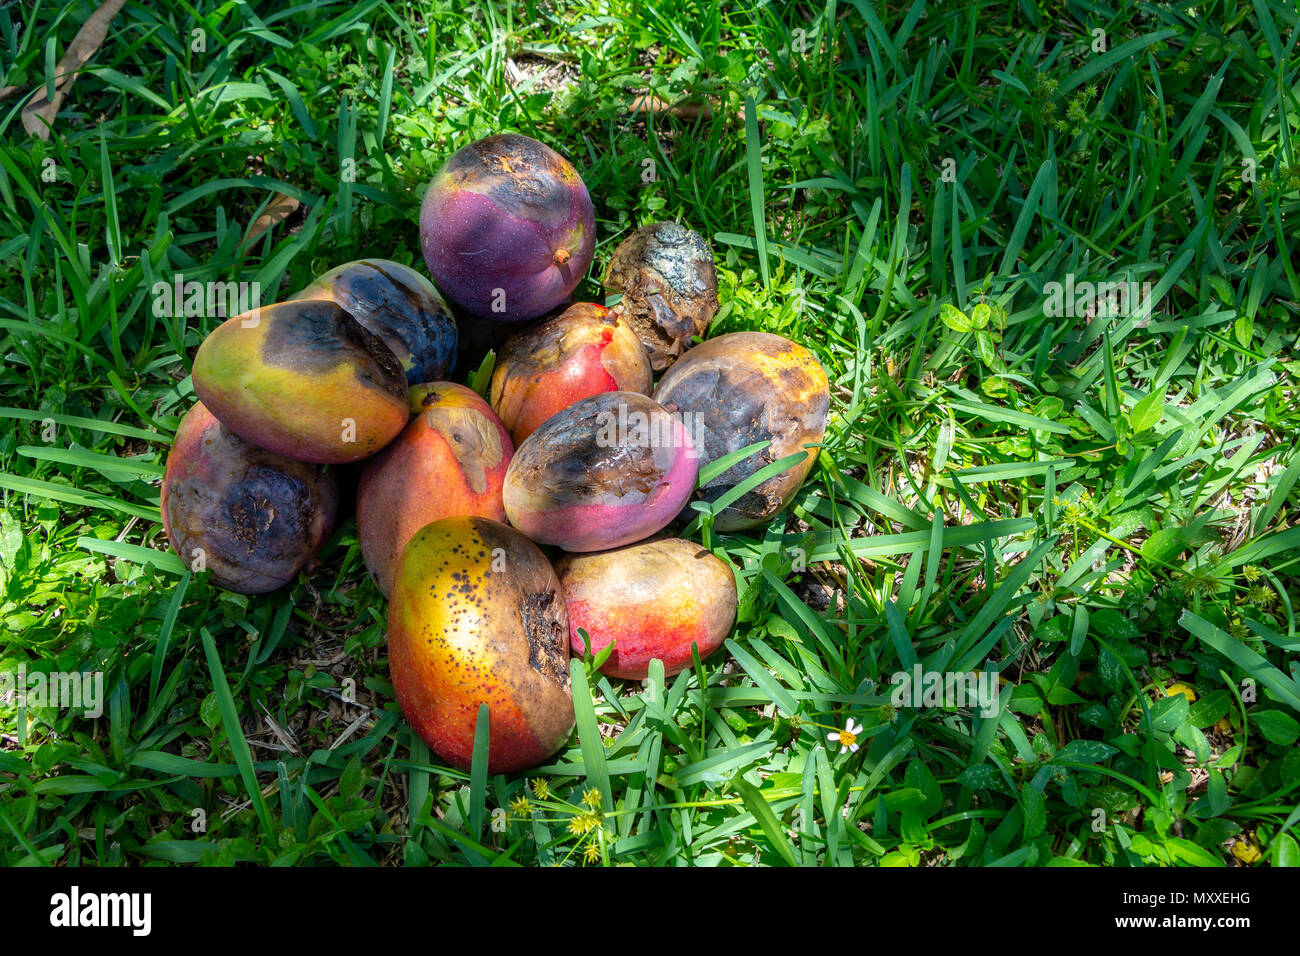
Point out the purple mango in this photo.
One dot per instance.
(507, 228)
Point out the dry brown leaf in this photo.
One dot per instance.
(649, 103)
(38, 115)
(280, 208)
(8, 91)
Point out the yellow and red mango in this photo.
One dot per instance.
(584, 351)
(507, 228)
(450, 460)
(477, 617)
(253, 518)
(670, 288)
(399, 305)
(652, 600)
(304, 379)
(740, 389)
(607, 471)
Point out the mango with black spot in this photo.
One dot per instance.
(544, 369)
(609, 470)
(450, 460)
(303, 379)
(399, 305)
(253, 518)
(507, 228)
(740, 389)
(651, 600)
(477, 617)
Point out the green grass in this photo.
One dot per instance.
(1098, 508)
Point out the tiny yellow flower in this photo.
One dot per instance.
(584, 822)
(1180, 688)
(520, 806)
(846, 738)
(591, 797)
(541, 790)
(591, 853)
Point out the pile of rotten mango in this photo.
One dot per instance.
(456, 495)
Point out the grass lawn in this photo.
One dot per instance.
(1047, 253)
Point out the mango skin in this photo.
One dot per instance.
(507, 213)
(303, 379)
(258, 517)
(652, 600)
(399, 305)
(542, 370)
(607, 471)
(742, 388)
(669, 285)
(450, 460)
(461, 633)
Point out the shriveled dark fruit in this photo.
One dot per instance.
(740, 389)
(253, 518)
(545, 368)
(399, 305)
(651, 600)
(303, 378)
(477, 617)
(507, 228)
(450, 460)
(608, 470)
(670, 288)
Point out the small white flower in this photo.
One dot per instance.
(846, 738)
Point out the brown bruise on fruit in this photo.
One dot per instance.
(313, 336)
(669, 285)
(545, 654)
(258, 517)
(517, 173)
(473, 439)
(745, 388)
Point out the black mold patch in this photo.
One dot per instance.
(313, 336)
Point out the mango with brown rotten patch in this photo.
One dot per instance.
(507, 228)
(609, 470)
(450, 460)
(651, 600)
(399, 305)
(740, 389)
(303, 379)
(477, 617)
(542, 370)
(253, 518)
